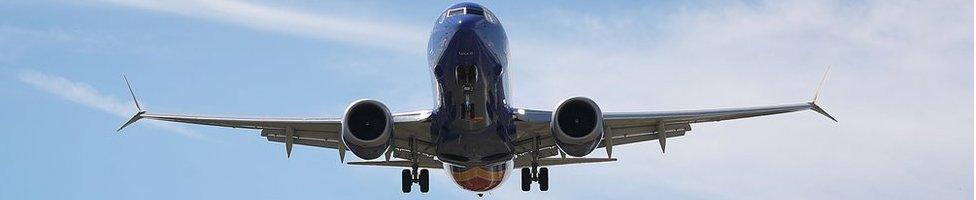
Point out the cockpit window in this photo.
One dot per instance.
(456, 11)
(474, 11)
(490, 17)
(464, 10)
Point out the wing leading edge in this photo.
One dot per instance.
(317, 132)
(633, 127)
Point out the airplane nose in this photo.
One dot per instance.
(468, 22)
(465, 27)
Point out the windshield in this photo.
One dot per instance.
(464, 10)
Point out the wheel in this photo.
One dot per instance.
(406, 180)
(526, 179)
(424, 181)
(544, 179)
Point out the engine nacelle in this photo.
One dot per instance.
(577, 125)
(367, 128)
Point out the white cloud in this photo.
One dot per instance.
(901, 87)
(84, 94)
(293, 22)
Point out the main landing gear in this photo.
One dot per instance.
(413, 175)
(541, 176)
(408, 177)
(537, 174)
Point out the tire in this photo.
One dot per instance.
(526, 179)
(424, 181)
(406, 180)
(544, 179)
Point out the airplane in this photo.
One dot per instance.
(473, 134)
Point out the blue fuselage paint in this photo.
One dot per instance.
(468, 53)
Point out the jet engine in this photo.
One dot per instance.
(367, 128)
(577, 125)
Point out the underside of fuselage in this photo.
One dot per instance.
(472, 124)
(479, 178)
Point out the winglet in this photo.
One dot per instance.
(134, 118)
(138, 115)
(816, 95)
(818, 109)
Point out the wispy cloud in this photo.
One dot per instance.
(84, 94)
(389, 36)
(900, 68)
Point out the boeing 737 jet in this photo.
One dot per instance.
(473, 134)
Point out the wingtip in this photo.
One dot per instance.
(138, 114)
(133, 94)
(132, 120)
(816, 94)
(818, 109)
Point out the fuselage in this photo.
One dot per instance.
(472, 124)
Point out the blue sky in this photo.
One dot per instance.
(901, 86)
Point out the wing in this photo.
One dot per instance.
(409, 127)
(620, 128)
(632, 127)
(317, 132)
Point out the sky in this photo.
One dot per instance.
(901, 85)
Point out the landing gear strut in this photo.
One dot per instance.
(414, 174)
(537, 174)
